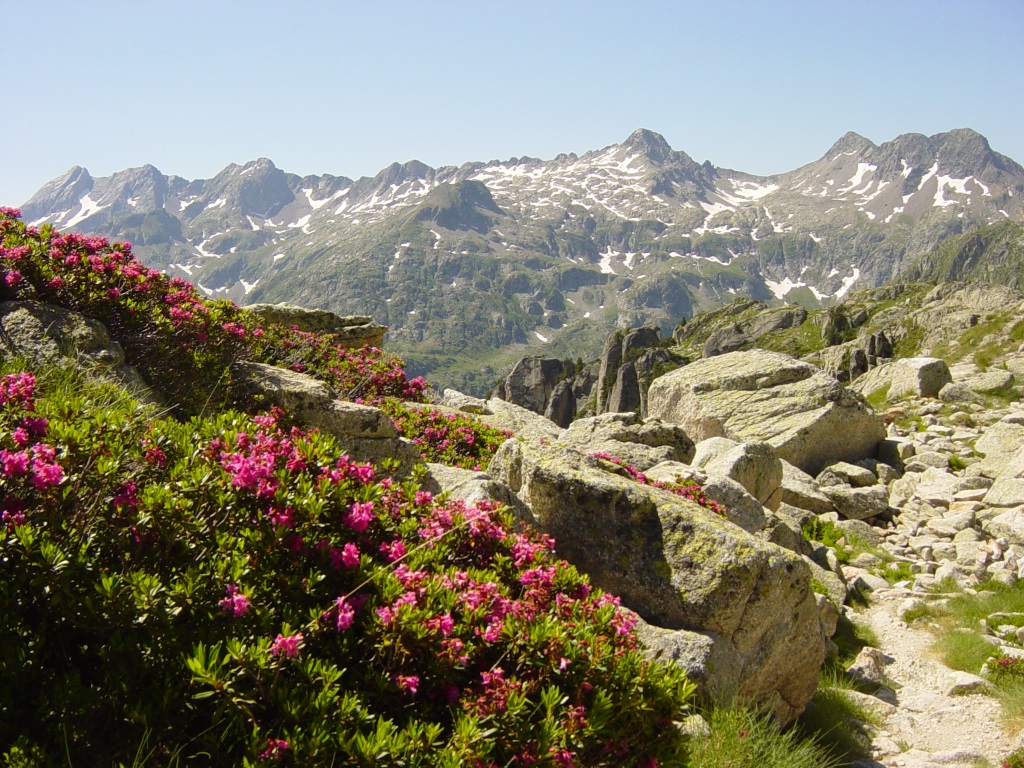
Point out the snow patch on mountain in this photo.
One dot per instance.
(315, 204)
(862, 170)
(89, 208)
(606, 262)
(848, 282)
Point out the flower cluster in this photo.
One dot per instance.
(1006, 669)
(688, 489)
(362, 375)
(262, 581)
(458, 440)
(28, 465)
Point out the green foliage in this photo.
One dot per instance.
(1014, 760)
(823, 532)
(963, 650)
(896, 572)
(851, 637)
(742, 738)
(1006, 670)
(835, 719)
(798, 341)
(879, 399)
(457, 440)
(845, 545)
(1011, 705)
(910, 343)
(234, 593)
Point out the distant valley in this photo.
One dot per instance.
(475, 266)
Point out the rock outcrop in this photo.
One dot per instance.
(353, 331)
(758, 396)
(365, 433)
(46, 335)
(908, 377)
(641, 443)
(684, 570)
(557, 389)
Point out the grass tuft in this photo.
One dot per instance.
(742, 738)
(966, 651)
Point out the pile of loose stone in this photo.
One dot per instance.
(955, 515)
(940, 501)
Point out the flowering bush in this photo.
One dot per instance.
(447, 438)
(227, 591)
(164, 325)
(1005, 670)
(688, 489)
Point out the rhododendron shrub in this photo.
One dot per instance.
(228, 591)
(164, 325)
(457, 440)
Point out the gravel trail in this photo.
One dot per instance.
(928, 727)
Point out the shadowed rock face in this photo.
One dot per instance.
(758, 396)
(48, 335)
(682, 568)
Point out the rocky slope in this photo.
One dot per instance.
(472, 266)
(935, 508)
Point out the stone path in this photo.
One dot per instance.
(927, 727)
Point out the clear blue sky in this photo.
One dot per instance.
(346, 88)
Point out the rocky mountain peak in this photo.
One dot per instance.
(59, 194)
(849, 142)
(398, 173)
(459, 206)
(651, 144)
(963, 152)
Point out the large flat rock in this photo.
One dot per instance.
(759, 396)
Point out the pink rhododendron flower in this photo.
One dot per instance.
(347, 556)
(408, 683)
(14, 464)
(345, 614)
(359, 516)
(287, 646)
(393, 550)
(275, 749)
(236, 603)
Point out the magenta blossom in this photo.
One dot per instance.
(235, 603)
(287, 645)
(359, 516)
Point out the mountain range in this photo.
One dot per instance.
(474, 266)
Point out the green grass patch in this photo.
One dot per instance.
(896, 572)
(742, 738)
(956, 463)
(832, 718)
(879, 399)
(822, 531)
(963, 650)
(851, 637)
(1011, 702)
